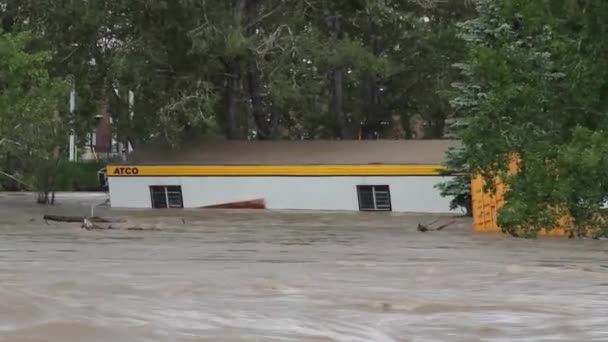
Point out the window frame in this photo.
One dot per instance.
(374, 190)
(177, 189)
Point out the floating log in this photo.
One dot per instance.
(428, 228)
(88, 225)
(138, 229)
(444, 226)
(97, 223)
(78, 219)
(70, 219)
(253, 204)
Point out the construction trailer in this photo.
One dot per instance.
(368, 175)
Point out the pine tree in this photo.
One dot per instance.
(470, 91)
(533, 87)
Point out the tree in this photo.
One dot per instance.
(534, 84)
(32, 130)
(424, 48)
(470, 91)
(459, 187)
(249, 68)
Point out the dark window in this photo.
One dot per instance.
(374, 198)
(159, 197)
(164, 197)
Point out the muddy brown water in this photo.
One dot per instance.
(259, 276)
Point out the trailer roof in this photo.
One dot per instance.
(304, 152)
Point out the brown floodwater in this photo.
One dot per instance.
(261, 276)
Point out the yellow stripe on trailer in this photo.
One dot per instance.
(272, 170)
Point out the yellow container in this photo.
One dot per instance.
(486, 207)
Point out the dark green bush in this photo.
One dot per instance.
(78, 176)
(71, 176)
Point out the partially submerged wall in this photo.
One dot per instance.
(305, 187)
(408, 193)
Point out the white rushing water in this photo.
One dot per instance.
(233, 276)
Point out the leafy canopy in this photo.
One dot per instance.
(32, 107)
(534, 85)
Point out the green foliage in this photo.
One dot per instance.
(515, 76)
(70, 176)
(78, 176)
(256, 65)
(459, 187)
(272, 69)
(534, 85)
(32, 130)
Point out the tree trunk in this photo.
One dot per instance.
(231, 95)
(337, 103)
(262, 122)
(79, 219)
(254, 85)
(435, 128)
(371, 92)
(8, 17)
(336, 76)
(233, 78)
(47, 196)
(52, 183)
(43, 197)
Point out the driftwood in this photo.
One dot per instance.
(78, 219)
(97, 223)
(88, 225)
(144, 229)
(428, 228)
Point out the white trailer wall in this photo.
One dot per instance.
(408, 193)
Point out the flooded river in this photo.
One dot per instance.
(235, 276)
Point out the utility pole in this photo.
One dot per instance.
(73, 147)
(131, 116)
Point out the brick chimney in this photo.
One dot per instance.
(104, 130)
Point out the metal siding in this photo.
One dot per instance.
(408, 194)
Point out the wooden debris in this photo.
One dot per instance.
(422, 228)
(253, 204)
(98, 223)
(88, 225)
(427, 228)
(79, 219)
(144, 229)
